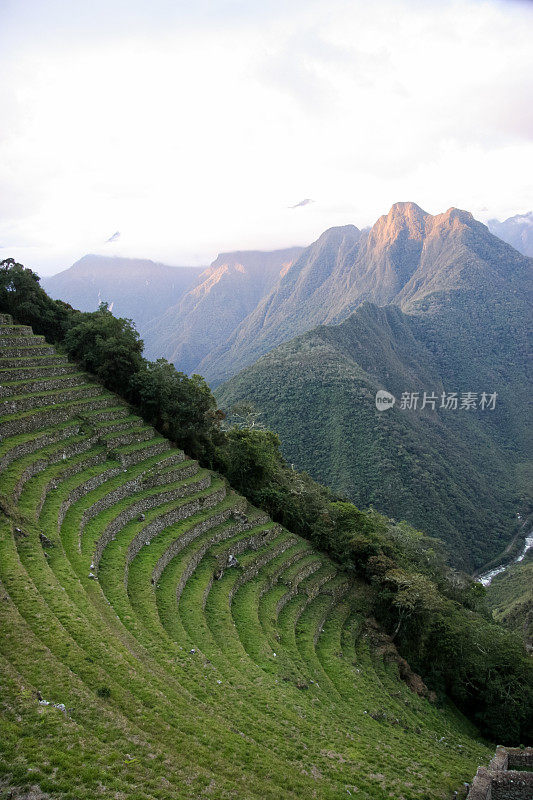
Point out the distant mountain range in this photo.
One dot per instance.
(416, 303)
(138, 289)
(517, 231)
(182, 313)
(225, 294)
(218, 320)
(456, 318)
(407, 257)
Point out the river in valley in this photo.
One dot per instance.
(487, 577)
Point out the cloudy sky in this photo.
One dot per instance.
(197, 127)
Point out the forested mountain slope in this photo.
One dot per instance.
(510, 598)
(452, 472)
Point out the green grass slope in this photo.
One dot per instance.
(135, 662)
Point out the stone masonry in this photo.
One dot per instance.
(505, 777)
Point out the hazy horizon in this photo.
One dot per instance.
(228, 126)
(111, 255)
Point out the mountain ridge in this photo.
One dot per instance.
(460, 322)
(225, 294)
(407, 257)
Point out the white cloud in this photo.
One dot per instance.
(193, 133)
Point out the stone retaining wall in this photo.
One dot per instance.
(314, 588)
(336, 593)
(118, 424)
(53, 416)
(159, 524)
(31, 350)
(253, 542)
(501, 781)
(517, 758)
(11, 337)
(123, 438)
(154, 527)
(512, 785)
(178, 545)
(34, 373)
(178, 474)
(43, 440)
(252, 570)
(274, 576)
(46, 385)
(307, 570)
(84, 488)
(142, 505)
(8, 362)
(142, 453)
(189, 536)
(17, 406)
(109, 411)
(319, 627)
(109, 499)
(8, 329)
(303, 573)
(75, 449)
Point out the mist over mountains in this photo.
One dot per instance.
(138, 289)
(517, 231)
(224, 295)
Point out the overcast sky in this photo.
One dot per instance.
(192, 127)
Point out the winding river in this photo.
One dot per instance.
(487, 577)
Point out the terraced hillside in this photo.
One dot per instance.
(163, 639)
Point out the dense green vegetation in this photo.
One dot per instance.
(510, 598)
(23, 298)
(449, 472)
(434, 614)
